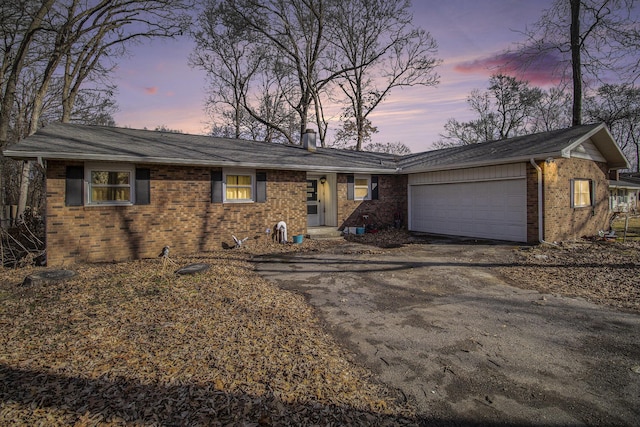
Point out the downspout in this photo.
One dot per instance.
(540, 212)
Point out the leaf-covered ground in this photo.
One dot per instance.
(606, 273)
(131, 344)
(126, 344)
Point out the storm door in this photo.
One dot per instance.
(314, 203)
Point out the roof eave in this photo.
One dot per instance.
(34, 155)
(605, 143)
(465, 165)
(625, 185)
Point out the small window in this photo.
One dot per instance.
(109, 185)
(238, 187)
(582, 196)
(361, 188)
(622, 196)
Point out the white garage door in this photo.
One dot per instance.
(486, 209)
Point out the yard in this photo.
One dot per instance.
(633, 227)
(126, 344)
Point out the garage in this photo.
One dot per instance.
(493, 209)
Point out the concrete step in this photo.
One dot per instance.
(323, 233)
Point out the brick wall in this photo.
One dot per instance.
(180, 215)
(532, 204)
(561, 221)
(392, 199)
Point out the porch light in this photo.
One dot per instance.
(550, 160)
(323, 180)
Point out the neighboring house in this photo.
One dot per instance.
(116, 194)
(624, 192)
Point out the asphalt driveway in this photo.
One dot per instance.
(436, 323)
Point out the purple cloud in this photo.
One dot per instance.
(537, 67)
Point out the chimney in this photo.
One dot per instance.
(309, 140)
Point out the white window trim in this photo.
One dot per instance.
(355, 187)
(574, 203)
(245, 172)
(111, 167)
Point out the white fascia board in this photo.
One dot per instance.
(610, 155)
(584, 138)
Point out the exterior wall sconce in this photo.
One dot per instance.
(323, 180)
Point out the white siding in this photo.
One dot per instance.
(488, 202)
(487, 173)
(587, 150)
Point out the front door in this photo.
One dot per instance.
(314, 203)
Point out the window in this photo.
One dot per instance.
(622, 196)
(361, 188)
(238, 186)
(109, 185)
(581, 193)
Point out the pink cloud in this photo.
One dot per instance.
(151, 90)
(538, 68)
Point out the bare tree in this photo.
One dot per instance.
(382, 51)
(351, 131)
(618, 106)
(301, 48)
(597, 40)
(292, 32)
(231, 56)
(20, 23)
(70, 37)
(397, 148)
(552, 111)
(503, 111)
(458, 133)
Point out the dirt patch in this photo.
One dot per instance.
(443, 322)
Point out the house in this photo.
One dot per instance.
(116, 194)
(624, 192)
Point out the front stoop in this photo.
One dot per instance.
(317, 233)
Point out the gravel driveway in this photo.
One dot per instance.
(436, 322)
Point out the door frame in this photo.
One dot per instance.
(326, 195)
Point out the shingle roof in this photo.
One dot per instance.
(538, 146)
(95, 143)
(78, 142)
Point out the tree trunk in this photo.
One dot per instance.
(38, 102)
(8, 97)
(576, 64)
(637, 144)
(24, 191)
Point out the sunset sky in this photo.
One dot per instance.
(156, 86)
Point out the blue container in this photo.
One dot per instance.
(360, 230)
(298, 238)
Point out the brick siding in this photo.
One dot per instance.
(561, 221)
(532, 204)
(180, 215)
(392, 202)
